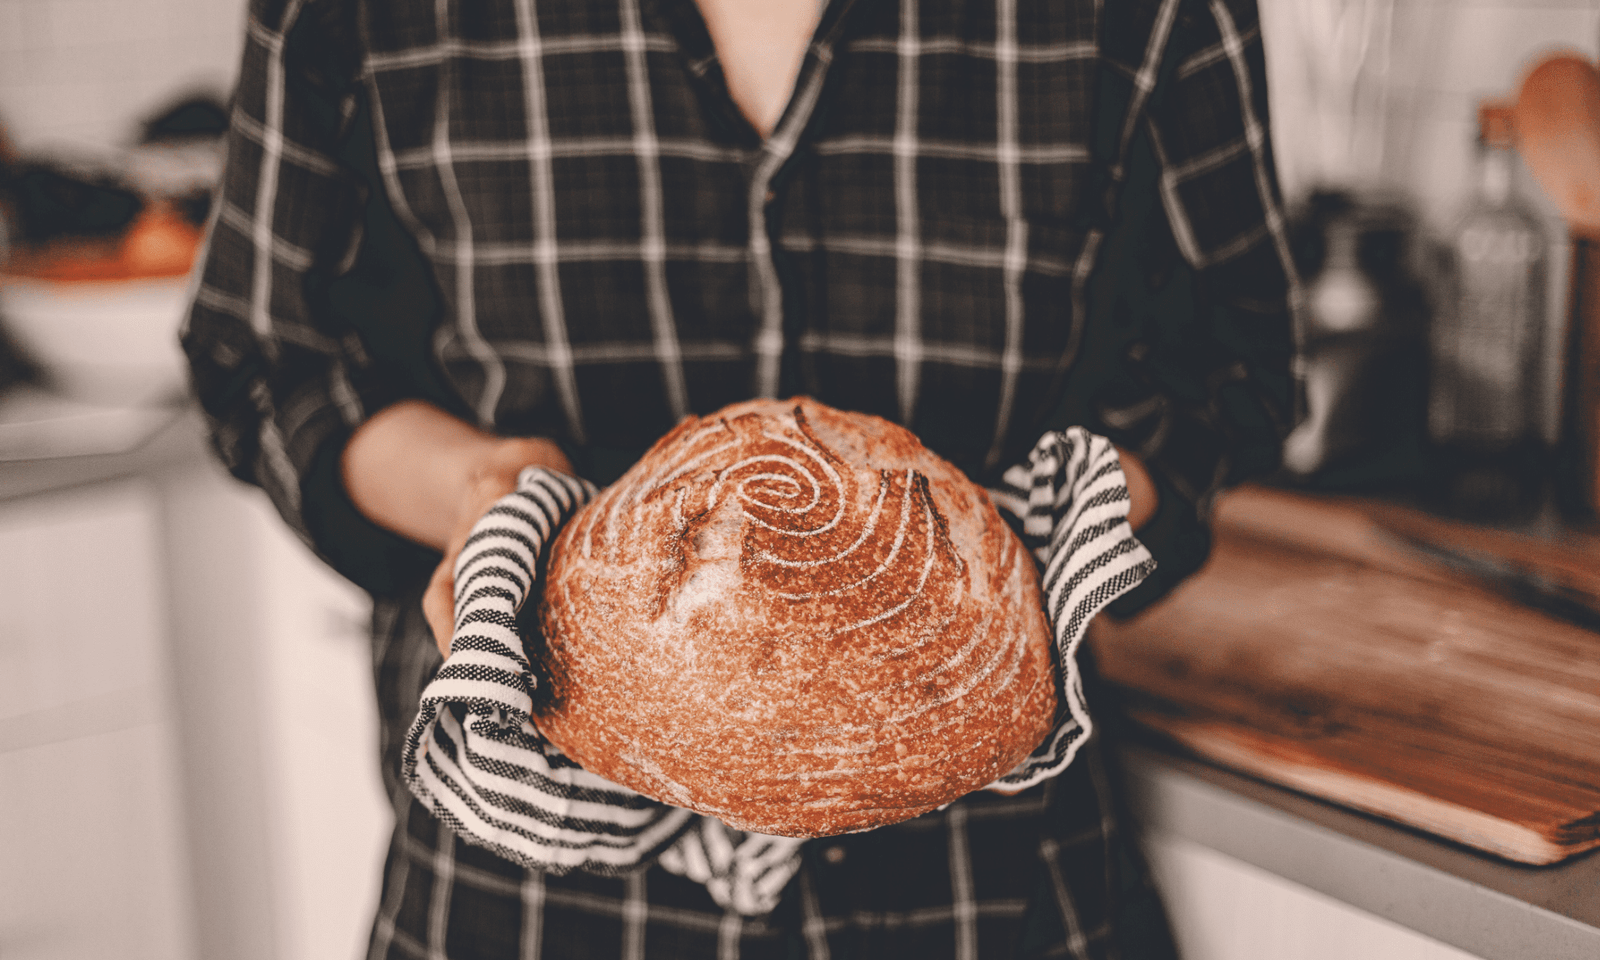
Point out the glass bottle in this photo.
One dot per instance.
(1344, 310)
(1485, 385)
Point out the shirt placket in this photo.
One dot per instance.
(773, 292)
(766, 275)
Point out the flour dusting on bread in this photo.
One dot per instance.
(797, 620)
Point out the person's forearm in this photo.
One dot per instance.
(416, 470)
(412, 469)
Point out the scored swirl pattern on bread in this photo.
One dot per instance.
(798, 620)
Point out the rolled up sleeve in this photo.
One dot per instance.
(283, 381)
(1195, 294)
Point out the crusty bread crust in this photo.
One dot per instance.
(797, 620)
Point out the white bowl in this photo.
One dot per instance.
(110, 343)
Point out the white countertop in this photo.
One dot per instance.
(1489, 907)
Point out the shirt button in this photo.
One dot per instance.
(834, 855)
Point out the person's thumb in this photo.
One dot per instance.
(438, 603)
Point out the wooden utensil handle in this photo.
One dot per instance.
(1581, 408)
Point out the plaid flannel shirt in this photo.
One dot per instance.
(981, 219)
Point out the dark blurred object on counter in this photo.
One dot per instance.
(16, 367)
(1363, 348)
(1487, 345)
(1578, 464)
(93, 285)
(133, 213)
(198, 117)
(1557, 119)
(158, 242)
(179, 154)
(57, 199)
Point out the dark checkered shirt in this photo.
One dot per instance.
(979, 218)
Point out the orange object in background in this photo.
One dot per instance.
(1557, 118)
(160, 243)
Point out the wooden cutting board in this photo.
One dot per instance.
(1320, 651)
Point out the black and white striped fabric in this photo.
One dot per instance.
(744, 872)
(473, 754)
(476, 759)
(1072, 499)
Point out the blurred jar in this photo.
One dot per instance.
(1486, 344)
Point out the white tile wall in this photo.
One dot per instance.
(81, 74)
(1444, 56)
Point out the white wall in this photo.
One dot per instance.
(81, 74)
(1427, 64)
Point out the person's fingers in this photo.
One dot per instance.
(494, 479)
(438, 603)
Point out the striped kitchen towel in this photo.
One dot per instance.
(1072, 500)
(476, 759)
(474, 756)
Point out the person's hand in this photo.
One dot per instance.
(494, 477)
(417, 470)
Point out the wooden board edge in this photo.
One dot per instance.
(1507, 839)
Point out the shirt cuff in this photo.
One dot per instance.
(379, 561)
(1178, 539)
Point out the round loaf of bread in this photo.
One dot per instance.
(797, 620)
